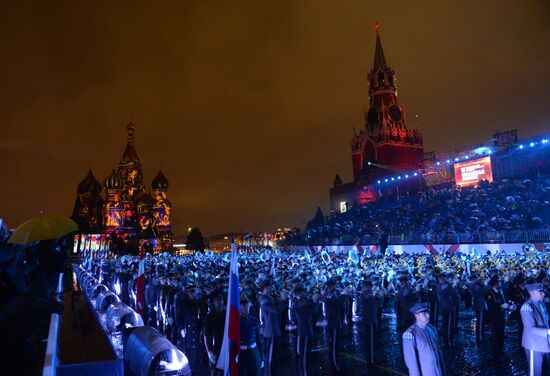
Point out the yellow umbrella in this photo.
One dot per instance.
(43, 227)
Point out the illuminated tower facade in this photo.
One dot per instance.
(87, 208)
(112, 210)
(386, 145)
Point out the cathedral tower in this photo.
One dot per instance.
(112, 210)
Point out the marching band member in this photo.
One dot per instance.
(270, 308)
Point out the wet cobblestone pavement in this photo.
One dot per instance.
(465, 358)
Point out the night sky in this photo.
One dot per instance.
(249, 107)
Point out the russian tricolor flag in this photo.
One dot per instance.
(232, 334)
(140, 286)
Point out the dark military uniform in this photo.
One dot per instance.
(214, 325)
(151, 303)
(171, 328)
(189, 322)
(407, 298)
(163, 308)
(369, 305)
(495, 299)
(445, 297)
(302, 313)
(428, 294)
(335, 319)
(249, 361)
(478, 291)
(456, 306)
(271, 321)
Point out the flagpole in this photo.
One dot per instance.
(140, 284)
(227, 360)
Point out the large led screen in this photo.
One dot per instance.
(470, 172)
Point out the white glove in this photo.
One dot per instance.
(182, 332)
(504, 306)
(549, 332)
(212, 357)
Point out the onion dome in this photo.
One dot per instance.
(337, 181)
(113, 181)
(89, 184)
(160, 181)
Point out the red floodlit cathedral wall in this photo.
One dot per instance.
(132, 217)
(386, 145)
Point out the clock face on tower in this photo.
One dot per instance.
(394, 113)
(372, 116)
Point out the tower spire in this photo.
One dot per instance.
(130, 153)
(379, 58)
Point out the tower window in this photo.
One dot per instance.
(381, 79)
(343, 206)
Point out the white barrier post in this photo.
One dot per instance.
(50, 360)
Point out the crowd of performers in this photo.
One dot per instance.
(302, 293)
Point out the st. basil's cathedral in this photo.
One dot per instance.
(129, 218)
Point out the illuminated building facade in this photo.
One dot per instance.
(385, 146)
(130, 217)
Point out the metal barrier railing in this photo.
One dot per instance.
(481, 236)
(51, 358)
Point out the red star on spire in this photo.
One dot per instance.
(376, 26)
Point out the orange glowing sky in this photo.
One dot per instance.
(249, 106)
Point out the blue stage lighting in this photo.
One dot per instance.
(532, 144)
(378, 181)
(386, 180)
(448, 161)
(415, 174)
(521, 146)
(438, 163)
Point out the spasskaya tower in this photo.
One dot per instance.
(385, 142)
(385, 145)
